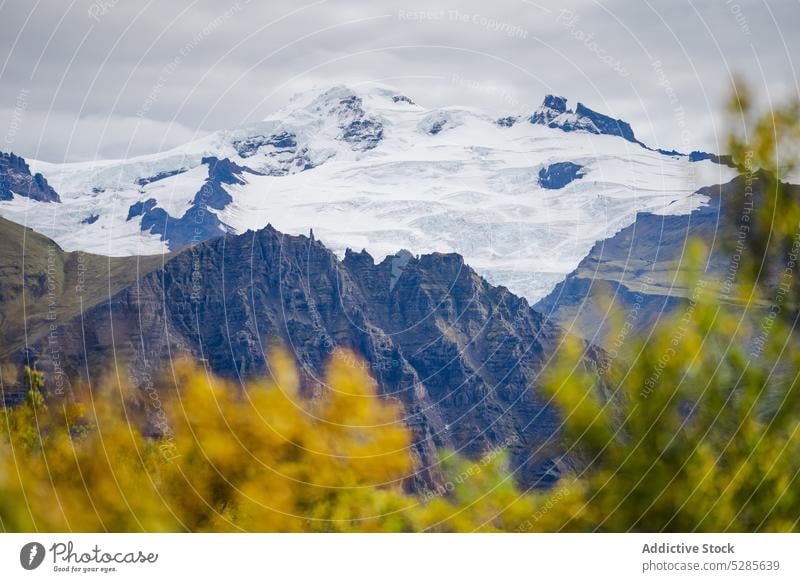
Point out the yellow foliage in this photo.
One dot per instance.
(227, 459)
(263, 459)
(704, 435)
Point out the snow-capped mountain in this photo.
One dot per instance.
(523, 199)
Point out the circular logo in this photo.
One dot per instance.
(31, 555)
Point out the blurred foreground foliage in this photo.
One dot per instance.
(694, 428)
(697, 427)
(701, 431)
(227, 459)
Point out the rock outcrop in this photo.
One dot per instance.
(16, 179)
(462, 355)
(554, 113)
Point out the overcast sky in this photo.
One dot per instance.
(84, 79)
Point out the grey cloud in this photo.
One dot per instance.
(187, 67)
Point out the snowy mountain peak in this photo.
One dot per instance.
(551, 109)
(377, 99)
(366, 167)
(555, 114)
(334, 122)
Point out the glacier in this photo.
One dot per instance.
(368, 168)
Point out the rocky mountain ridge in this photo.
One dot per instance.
(462, 355)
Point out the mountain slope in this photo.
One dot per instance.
(643, 269)
(41, 286)
(368, 168)
(40, 283)
(462, 355)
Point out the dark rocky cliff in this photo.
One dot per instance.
(16, 178)
(462, 355)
